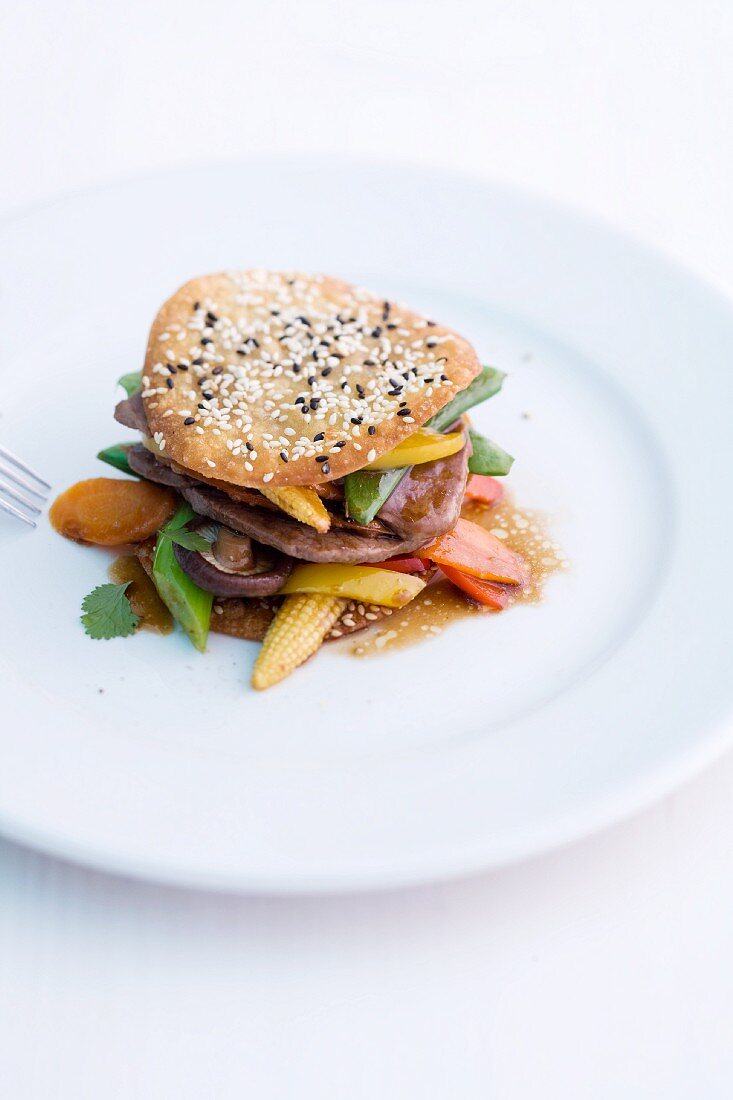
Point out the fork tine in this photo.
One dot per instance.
(23, 482)
(8, 507)
(9, 491)
(22, 466)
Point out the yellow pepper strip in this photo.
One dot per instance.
(355, 582)
(294, 635)
(301, 503)
(424, 445)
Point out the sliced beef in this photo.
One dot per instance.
(288, 535)
(131, 413)
(144, 462)
(427, 502)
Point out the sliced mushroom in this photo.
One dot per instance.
(233, 551)
(268, 574)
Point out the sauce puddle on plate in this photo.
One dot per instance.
(143, 597)
(440, 604)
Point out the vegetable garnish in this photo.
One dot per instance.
(366, 491)
(107, 612)
(116, 456)
(473, 550)
(355, 582)
(425, 445)
(484, 490)
(486, 592)
(190, 540)
(132, 382)
(403, 565)
(187, 603)
(488, 457)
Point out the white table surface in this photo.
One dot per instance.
(604, 970)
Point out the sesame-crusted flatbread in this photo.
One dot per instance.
(267, 378)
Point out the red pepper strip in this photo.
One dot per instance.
(472, 549)
(402, 565)
(486, 592)
(485, 489)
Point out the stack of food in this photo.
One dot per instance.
(314, 450)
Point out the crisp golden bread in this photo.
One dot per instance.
(267, 378)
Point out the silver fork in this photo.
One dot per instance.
(14, 476)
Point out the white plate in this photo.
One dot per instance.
(501, 737)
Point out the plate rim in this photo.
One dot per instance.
(622, 803)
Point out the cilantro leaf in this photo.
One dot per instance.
(107, 612)
(190, 540)
(132, 382)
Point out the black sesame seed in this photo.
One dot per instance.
(171, 368)
(253, 342)
(427, 381)
(395, 392)
(402, 404)
(344, 384)
(325, 343)
(392, 325)
(357, 420)
(208, 396)
(326, 468)
(431, 343)
(444, 378)
(341, 443)
(304, 409)
(206, 340)
(311, 379)
(371, 429)
(189, 420)
(202, 407)
(321, 458)
(394, 381)
(240, 351)
(211, 317)
(369, 363)
(275, 312)
(315, 402)
(405, 374)
(359, 390)
(217, 370)
(249, 446)
(183, 366)
(304, 321)
(197, 305)
(432, 323)
(385, 311)
(314, 355)
(377, 331)
(319, 437)
(299, 400)
(296, 368)
(326, 371)
(169, 383)
(403, 412)
(284, 456)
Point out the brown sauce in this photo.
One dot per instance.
(440, 604)
(143, 597)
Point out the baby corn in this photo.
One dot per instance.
(301, 503)
(294, 635)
